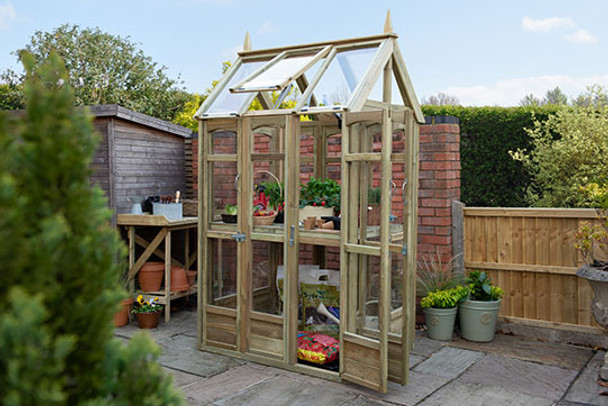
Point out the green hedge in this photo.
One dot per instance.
(489, 176)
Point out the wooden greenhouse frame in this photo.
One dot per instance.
(246, 307)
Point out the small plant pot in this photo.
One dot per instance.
(121, 318)
(440, 323)
(148, 320)
(191, 277)
(179, 279)
(478, 320)
(150, 276)
(229, 218)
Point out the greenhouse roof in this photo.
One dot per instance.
(324, 77)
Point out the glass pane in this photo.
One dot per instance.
(342, 76)
(223, 142)
(278, 73)
(223, 273)
(368, 268)
(396, 293)
(267, 257)
(223, 192)
(227, 102)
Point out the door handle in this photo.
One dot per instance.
(292, 232)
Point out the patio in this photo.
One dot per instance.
(508, 371)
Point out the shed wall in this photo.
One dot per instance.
(100, 165)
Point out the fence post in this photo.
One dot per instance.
(458, 235)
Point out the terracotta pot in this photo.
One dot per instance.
(121, 318)
(148, 320)
(373, 215)
(150, 276)
(179, 279)
(191, 277)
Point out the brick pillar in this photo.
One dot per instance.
(439, 184)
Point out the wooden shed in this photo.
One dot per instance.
(340, 110)
(138, 156)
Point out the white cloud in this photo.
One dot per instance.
(582, 37)
(546, 24)
(7, 16)
(267, 27)
(509, 92)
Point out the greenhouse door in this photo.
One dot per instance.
(365, 257)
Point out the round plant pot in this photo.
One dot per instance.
(150, 276)
(179, 279)
(440, 323)
(121, 318)
(478, 320)
(148, 320)
(191, 277)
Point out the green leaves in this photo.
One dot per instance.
(319, 192)
(445, 299)
(480, 287)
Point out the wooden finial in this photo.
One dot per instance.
(388, 24)
(247, 42)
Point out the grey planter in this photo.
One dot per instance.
(440, 322)
(478, 320)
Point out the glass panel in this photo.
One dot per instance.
(277, 74)
(396, 293)
(223, 142)
(267, 257)
(398, 177)
(369, 288)
(376, 93)
(227, 102)
(342, 76)
(223, 273)
(223, 191)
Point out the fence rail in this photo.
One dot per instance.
(529, 253)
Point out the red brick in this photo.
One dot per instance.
(437, 239)
(427, 202)
(436, 221)
(446, 156)
(439, 128)
(426, 211)
(443, 212)
(426, 230)
(426, 175)
(443, 230)
(439, 166)
(427, 192)
(447, 174)
(447, 193)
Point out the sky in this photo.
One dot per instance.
(483, 52)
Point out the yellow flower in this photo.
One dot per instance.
(140, 299)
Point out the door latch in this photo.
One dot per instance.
(404, 249)
(239, 237)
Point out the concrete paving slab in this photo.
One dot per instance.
(537, 380)
(471, 394)
(585, 389)
(280, 391)
(181, 379)
(363, 401)
(178, 341)
(420, 387)
(424, 346)
(449, 362)
(233, 381)
(564, 356)
(196, 362)
(181, 322)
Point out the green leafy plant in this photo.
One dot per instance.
(373, 195)
(318, 192)
(434, 274)
(445, 299)
(231, 209)
(591, 239)
(480, 287)
(146, 306)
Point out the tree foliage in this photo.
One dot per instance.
(554, 97)
(442, 99)
(60, 274)
(107, 69)
(567, 158)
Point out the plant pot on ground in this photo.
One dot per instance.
(147, 312)
(479, 312)
(435, 274)
(440, 310)
(121, 317)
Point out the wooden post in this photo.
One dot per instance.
(344, 235)
(203, 283)
(458, 235)
(168, 277)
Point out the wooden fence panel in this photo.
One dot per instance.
(529, 253)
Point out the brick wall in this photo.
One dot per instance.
(439, 184)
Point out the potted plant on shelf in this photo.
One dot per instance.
(319, 198)
(230, 214)
(147, 312)
(479, 312)
(276, 198)
(440, 310)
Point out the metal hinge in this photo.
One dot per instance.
(239, 237)
(404, 249)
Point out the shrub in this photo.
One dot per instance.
(444, 299)
(480, 287)
(59, 263)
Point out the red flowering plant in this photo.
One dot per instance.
(318, 192)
